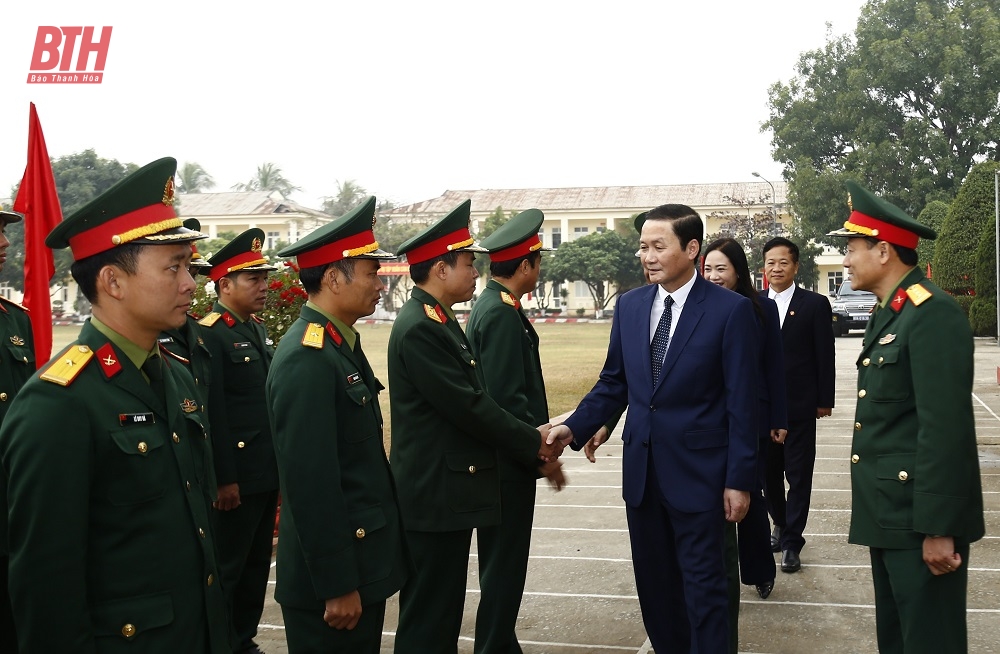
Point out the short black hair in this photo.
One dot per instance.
(312, 277)
(85, 271)
(506, 269)
(419, 272)
(686, 222)
(779, 241)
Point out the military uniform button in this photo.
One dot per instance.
(862, 393)
(211, 580)
(128, 630)
(866, 361)
(903, 476)
(360, 533)
(187, 486)
(246, 359)
(473, 361)
(3, 397)
(142, 447)
(201, 532)
(857, 425)
(855, 458)
(177, 439)
(472, 470)
(881, 359)
(25, 359)
(241, 445)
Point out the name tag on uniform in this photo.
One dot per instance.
(242, 346)
(354, 378)
(135, 419)
(166, 339)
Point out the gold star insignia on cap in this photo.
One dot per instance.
(168, 192)
(256, 245)
(850, 204)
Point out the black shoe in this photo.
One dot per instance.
(790, 561)
(253, 649)
(776, 539)
(765, 589)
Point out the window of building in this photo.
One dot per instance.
(272, 239)
(580, 289)
(580, 231)
(557, 299)
(833, 281)
(556, 237)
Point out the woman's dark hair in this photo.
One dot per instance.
(738, 258)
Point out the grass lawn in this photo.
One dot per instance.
(572, 357)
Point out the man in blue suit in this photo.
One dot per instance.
(682, 356)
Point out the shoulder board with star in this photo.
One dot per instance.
(918, 294)
(313, 336)
(13, 304)
(65, 368)
(435, 313)
(509, 299)
(210, 319)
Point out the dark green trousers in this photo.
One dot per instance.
(503, 566)
(433, 600)
(8, 637)
(915, 611)
(307, 633)
(732, 558)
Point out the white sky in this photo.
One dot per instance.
(410, 98)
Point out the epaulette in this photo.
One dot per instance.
(64, 369)
(918, 294)
(313, 336)
(435, 313)
(210, 319)
(11, 302)
(509, 299)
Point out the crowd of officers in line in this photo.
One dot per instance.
(142, 465)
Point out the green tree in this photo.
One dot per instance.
(492, 223)
(192, 178)
(349, 195)
(268, 178)
(210, 246)
(598, 260)
(390, 234)
(907, 105)
(933, 216)
(969, 216)
(983, 310)
(751, 230)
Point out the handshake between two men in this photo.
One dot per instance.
(555, 438)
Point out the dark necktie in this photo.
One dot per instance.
(661, 338)
(155, 374)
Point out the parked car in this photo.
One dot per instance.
(851, 309)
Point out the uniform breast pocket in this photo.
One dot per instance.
(894, 480)
(373, 543)
(127, 620)
(246, 368)
(138, 464)
(21, 355)
(365, 426)
(889, 381)
(473, 482)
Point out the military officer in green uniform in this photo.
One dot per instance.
(106, 460)
(505, 346)
(245, 468)
(446, 432)
(185, 344)
(16, 365)
(916, 493)
(341, 552)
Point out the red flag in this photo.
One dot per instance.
(37, 200)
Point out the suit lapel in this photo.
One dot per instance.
(640, 318)
(691, 315)
(794, 309)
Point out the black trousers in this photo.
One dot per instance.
(794, 460)
(307, 633)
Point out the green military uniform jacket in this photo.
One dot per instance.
(340, 527)
(445, 429)
(914, 462)
(108, 496)
(17, 362)
(505, 346)
(186, 345)
(241, 433)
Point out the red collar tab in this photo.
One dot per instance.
(449, 242)
(882, 230)
(898, 300)
(228, 319)
(334, 334)
(124, 229)
(239, 262)
(110, 365)
(518, 250)
(351, 246)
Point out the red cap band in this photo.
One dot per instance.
(123, 229)
(883, 231)
(239, 262)
(458, 239)
(338, 250)
(519, 250)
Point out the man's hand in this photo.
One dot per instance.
(735, 503)
(560, 433)
(554, 474)
(779, 436)
(229, 497)
(548, 450)
(940, 555)
(343, 612)
(822, 413)
(590, 448)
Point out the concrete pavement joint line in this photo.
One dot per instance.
(983, 404)
(646, 648)
(470, 639)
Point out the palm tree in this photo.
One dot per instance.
(192, 178)
(349, 195)
(268, 178)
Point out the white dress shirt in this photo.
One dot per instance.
(782, 299)
(680, 297)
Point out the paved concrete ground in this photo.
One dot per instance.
(580, 594)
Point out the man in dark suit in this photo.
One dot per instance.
(241, 433)
(342, 551)
(916, 500)
(682, 357)
(807, 337)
